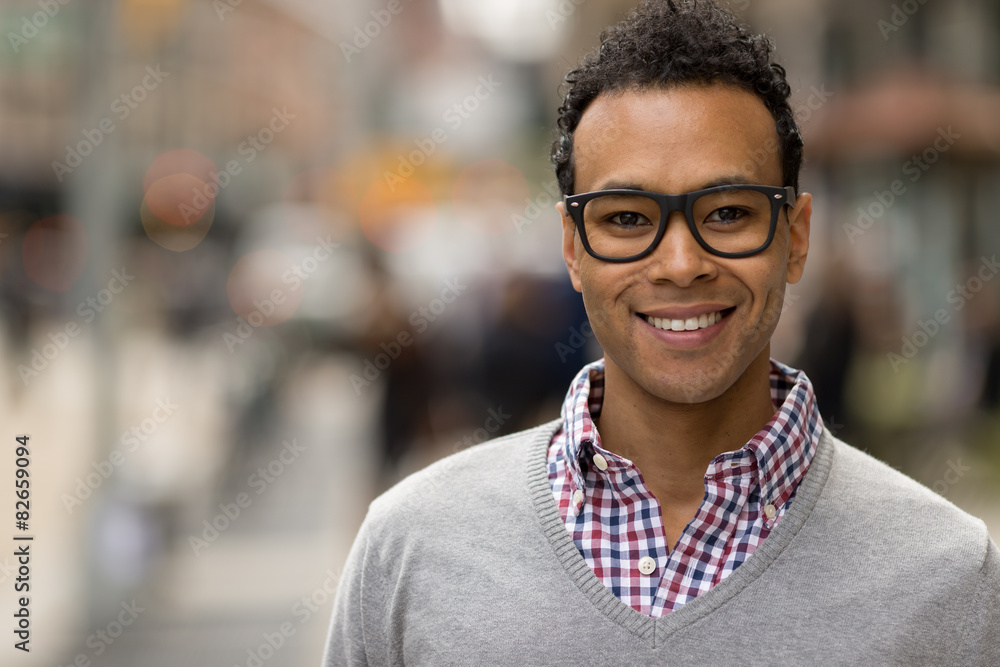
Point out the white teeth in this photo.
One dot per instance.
(690, 324)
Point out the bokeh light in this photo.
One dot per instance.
(397, 216)
(179, 199)
(178, 208)
(180, 161)
(178, 238)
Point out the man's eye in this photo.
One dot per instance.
(629, 219)
(727, 215)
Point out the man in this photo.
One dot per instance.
(689, 507)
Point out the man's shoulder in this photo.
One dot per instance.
(486, 476)
(873, 499)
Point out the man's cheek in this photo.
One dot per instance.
(606, 329)
(771, 311)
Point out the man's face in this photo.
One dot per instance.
(674, 141)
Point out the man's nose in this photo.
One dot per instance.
(679, 258)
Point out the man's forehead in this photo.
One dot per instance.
(679, 99)
(707, 127)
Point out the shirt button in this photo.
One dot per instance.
(577, 497)
(600, 462)
(769, 511)
(646, 565)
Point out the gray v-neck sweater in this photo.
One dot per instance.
(469, 563)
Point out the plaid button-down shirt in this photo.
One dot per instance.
(615, 520)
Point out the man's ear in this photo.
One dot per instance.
(569, 247)
(798, 236)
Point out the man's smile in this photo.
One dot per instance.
(675, 320)
(687, 330)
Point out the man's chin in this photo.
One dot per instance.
(690, 394)
(701, 378)
(686, 386)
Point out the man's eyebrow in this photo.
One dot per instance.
(733, 179)
(620, 185)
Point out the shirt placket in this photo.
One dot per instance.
(638, 532)
(692, 567)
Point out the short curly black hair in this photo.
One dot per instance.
(665, 43)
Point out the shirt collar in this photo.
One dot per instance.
(779, 454)
(578, 414)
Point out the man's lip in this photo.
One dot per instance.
(686, 312)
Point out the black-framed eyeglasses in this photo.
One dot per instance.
(727, 220)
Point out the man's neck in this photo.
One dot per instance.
(672, 444)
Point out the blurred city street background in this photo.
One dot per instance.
(259, 259)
